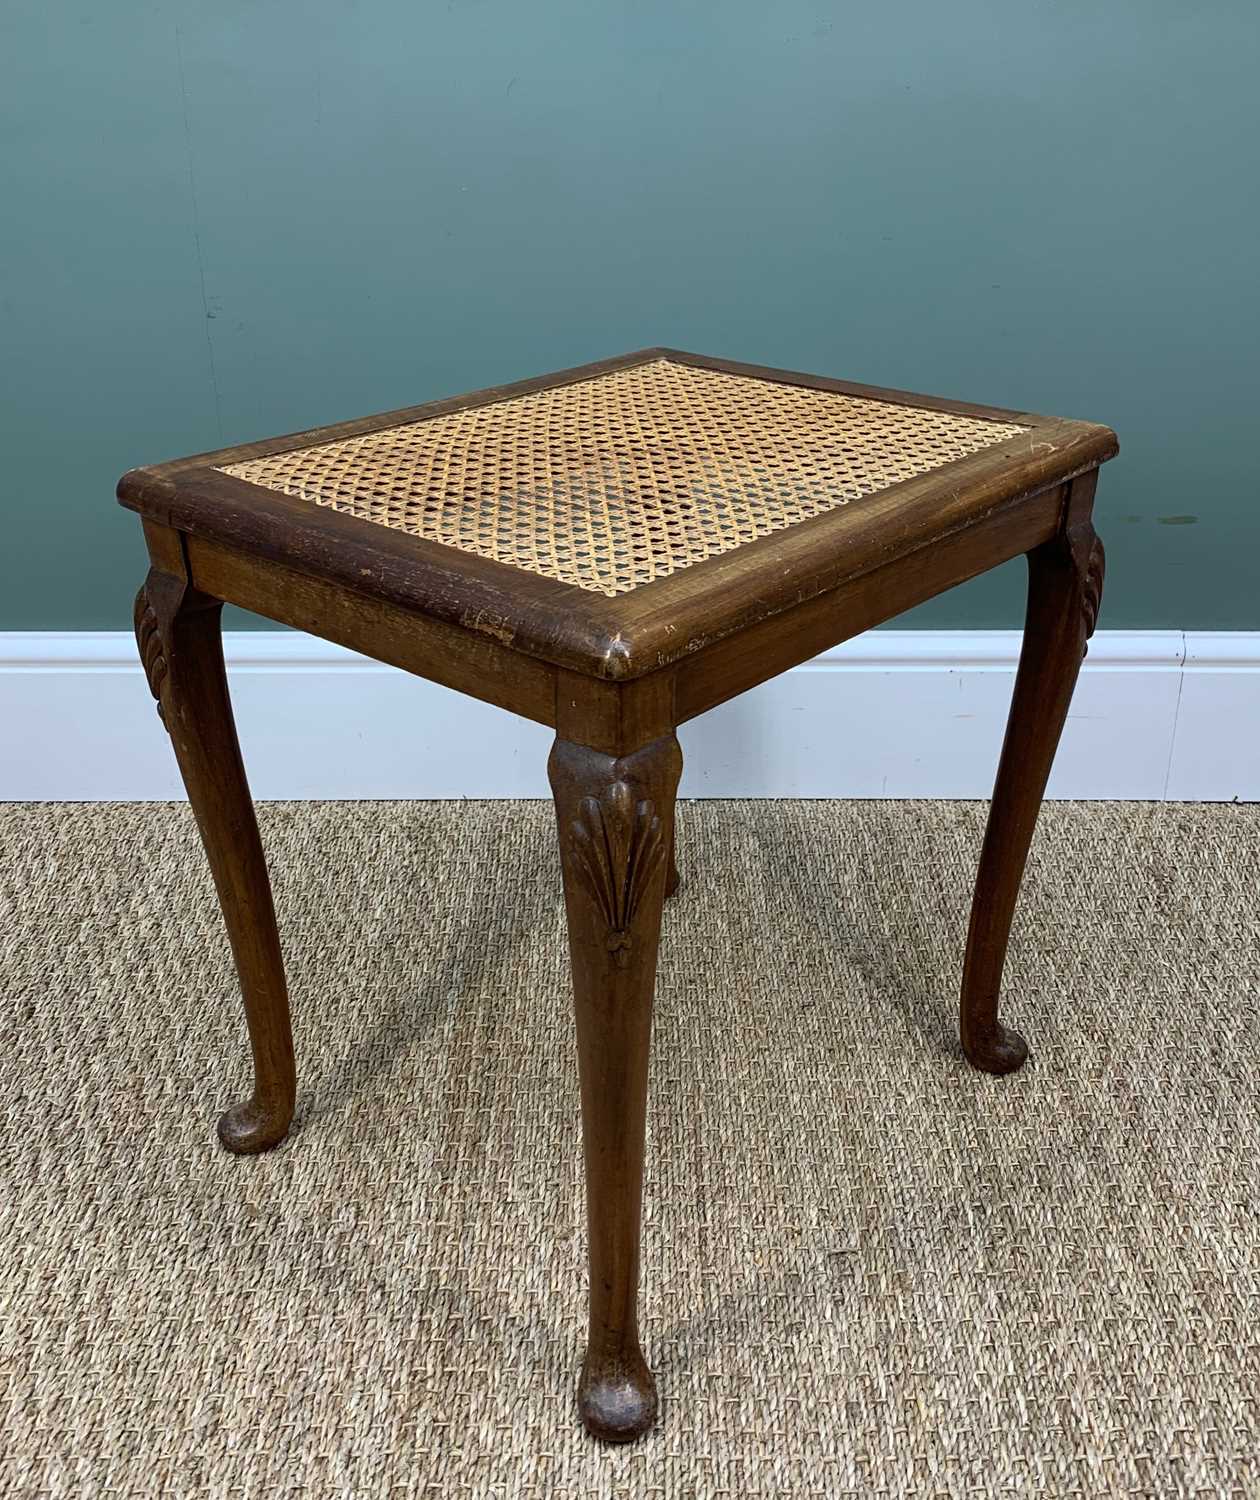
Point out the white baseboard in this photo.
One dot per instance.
(913, 713)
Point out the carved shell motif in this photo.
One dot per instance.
(149, 640)
(1092, 589)
(618, 845)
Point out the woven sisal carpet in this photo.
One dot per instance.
(868, 1270)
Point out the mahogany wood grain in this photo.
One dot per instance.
(731, 666)
(177, 631)
(615, 818)
(1065, 577)
(471, 663)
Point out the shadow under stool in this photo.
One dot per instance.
(611, 551)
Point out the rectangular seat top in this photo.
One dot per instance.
(607, 518)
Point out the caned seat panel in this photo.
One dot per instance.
(632, 475)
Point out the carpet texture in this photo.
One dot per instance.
(868, 1269)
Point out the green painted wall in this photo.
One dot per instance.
(224, 219)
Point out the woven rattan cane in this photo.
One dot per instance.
(611, 551)
(611, 482)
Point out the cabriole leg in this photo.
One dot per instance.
(1065, 578)
(178, 633)
(616, 820)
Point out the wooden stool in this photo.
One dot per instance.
(611, 551)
